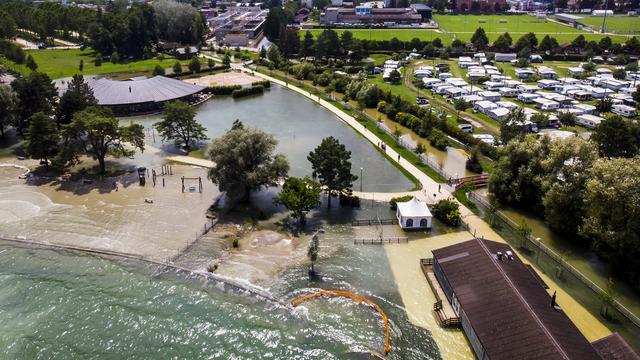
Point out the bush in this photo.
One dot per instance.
(158, 70)
(447, 211)
(394, 201)
(349, 200)
(438, 139)
(254, 90)
(12, 51)
(264, 83)
(473, 162)
(224, 90)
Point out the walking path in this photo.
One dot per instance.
(191, 161)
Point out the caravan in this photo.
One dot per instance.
(623, 110)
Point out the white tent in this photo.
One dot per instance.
(413, 214)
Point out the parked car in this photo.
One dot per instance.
(468, 128)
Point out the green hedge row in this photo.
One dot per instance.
(254, 90)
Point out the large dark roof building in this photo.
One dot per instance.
(369, 15)
(140, 94)
(504, 307)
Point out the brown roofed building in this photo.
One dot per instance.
(503, 306)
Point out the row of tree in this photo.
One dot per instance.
(587, 190)
(130, 31)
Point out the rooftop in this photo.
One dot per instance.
(507, 305)
(156, 89)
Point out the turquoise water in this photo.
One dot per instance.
(64, 306)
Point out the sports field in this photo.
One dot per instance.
(63, 63)
(388, 34)
(463, 26)
(621, 24)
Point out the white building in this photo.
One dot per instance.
(623, 110)
(589, 121)
(413, 214)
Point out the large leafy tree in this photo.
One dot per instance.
(78, 97)
(8, 107)
(275, 20)
(299, 195)
(331, 164)
(480, 39)
(245, 161)
(306, 47)
(36, 93)
(518, 176)
(503, 42)
(43, 140)
(327, 44)
(612, 221)
(7, 25)
(97, 133)
(617, 137)
(566, 172)
(513, 126)
(179, 123)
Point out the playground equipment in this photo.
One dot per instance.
(349, 295)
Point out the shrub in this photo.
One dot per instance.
(264, 83)
(438, 139)
(224, 90)
(394, 201)
(158, 70)
(473, 162)
(447, 211)
(254, 90)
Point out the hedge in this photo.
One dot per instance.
(264, 83)
(224, 90)
(254, 90)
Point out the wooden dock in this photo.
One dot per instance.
(380, 241)
(442, 309)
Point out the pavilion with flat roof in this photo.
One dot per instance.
(141, 94)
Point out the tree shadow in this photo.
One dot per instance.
(12, 144)
(87, 180)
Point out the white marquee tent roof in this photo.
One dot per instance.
(413, 208)
(155, 89)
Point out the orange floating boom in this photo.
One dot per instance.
(347, 294)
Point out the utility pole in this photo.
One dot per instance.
(604, 18)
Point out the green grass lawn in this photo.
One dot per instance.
(64, 63)
(388, 34)
(623, 24)
(463, 27)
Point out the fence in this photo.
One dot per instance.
(412, 146)
(552, 262)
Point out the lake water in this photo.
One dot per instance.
(299, 125)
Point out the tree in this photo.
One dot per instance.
(7, 25)
(524, 230)
(548, 44)
(619, 74)
(612, 219)
(77, 97)
(245, 162)
(617, 137)
(579, 42)
(8, 107)
(226, 60)
(299, 195)
(513, 126)
(331, 164)
(480, 39)
(211, 63)
(81, 66)
(31, 64)
(447, 211)
(473, 161)
(460, 104)
(327, 44)
(179, 123)
(518, 174)
(312, 252)
(273, 55)
(177, 68)
(566, 118)
(395, 77)
(98, 60)
(97, 132)
(306, 47)
(503, 42)
(566, 171)
(115, 58)
(275, 20)
(604, 105)
(158, 70)
(42, 138)
(194, 65)
(36, 93)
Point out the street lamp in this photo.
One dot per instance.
(361, 169)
